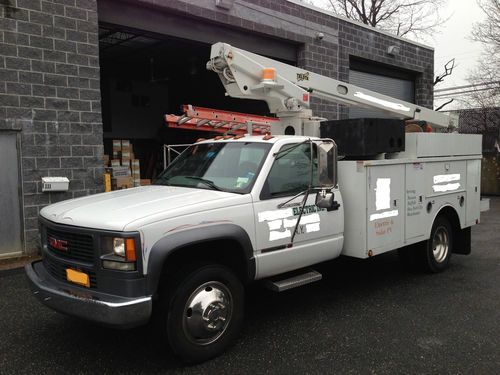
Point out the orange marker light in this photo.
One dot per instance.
(269, 74)
(130, 250)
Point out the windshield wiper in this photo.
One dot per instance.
(205, 181)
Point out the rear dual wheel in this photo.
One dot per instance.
(434, 254)
(437, 253)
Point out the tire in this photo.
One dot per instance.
(205, 312)
(435, 256)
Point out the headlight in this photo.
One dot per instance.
(119, 246)
(125, 247)
(119, 253)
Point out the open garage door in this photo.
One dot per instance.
(152, 62)
(163, 23)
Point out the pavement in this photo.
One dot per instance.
(364, 317)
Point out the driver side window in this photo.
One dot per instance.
(291, 171)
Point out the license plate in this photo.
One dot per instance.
(77, 277)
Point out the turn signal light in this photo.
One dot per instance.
(130, 254)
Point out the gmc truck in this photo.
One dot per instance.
(234, 210)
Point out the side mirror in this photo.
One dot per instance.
(327, 163)
(324, 199)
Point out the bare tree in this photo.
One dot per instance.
(410, 18)
(484, 96)
(486, 76)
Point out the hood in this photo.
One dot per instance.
(115, 210)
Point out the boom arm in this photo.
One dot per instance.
(287, 89)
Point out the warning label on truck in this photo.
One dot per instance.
(414, 204)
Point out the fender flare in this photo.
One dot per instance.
(169, 244)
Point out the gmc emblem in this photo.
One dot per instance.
(58, 244)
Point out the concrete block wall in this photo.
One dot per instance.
(50, 94)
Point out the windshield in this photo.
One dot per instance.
(225, 166)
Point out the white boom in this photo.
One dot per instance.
(287, 90)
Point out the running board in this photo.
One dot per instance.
(293, 280)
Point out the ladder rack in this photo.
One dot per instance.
(214, 120)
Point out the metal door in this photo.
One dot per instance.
(396, 87)
(10, 212)
(319, 234)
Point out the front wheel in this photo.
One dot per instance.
(205, 312)
(436, 255)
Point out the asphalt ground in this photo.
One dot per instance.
(364, 317)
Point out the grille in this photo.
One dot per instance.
(58, 270)
(79, 246)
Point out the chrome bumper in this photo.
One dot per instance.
(115, 311)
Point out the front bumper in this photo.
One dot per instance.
(115, 311)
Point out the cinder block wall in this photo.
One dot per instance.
(50, 93)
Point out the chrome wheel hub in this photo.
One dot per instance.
(440, 244)
(207, 313)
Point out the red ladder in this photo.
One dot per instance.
(214, 120)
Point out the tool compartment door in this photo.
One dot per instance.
(385, 207)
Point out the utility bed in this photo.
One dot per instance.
(386, 199)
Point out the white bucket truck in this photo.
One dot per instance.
(231, 211)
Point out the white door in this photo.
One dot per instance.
(319, 233)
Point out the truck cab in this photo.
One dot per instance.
(227, 203)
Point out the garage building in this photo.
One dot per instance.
(76, 74)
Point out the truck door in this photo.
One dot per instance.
(319, 233)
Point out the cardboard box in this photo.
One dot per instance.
(145, 181)
(125, 157)
(119, 183)
(125, 144)
(120, 172)
(115, 163)
(117, 146)
(136, 168)
(105, 159)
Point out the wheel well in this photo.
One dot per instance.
(225, 251)
(450, 214)
(462, 237)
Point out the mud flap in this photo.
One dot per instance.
(462, 243)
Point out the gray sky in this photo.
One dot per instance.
(453, 41)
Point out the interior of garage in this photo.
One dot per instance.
(145, 76)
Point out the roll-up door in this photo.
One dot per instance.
(400, 88)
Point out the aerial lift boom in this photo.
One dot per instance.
(287, 90)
